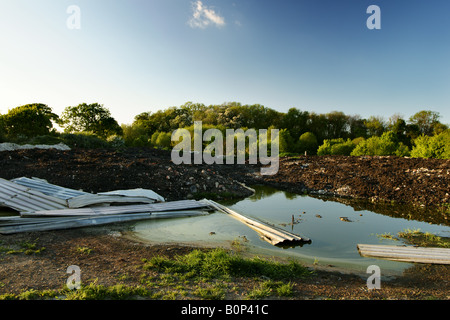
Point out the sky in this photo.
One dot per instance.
(134, 56)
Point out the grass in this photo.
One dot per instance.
(218, 263)
(268, 288)
(424, 239)
(84, 250)
(211, 275)
(418, 238)
(25, 247)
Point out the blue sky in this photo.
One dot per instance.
(145, 55)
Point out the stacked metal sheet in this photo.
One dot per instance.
(43, 206)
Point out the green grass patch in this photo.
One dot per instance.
(424, 239)
(25, 247)
(219, 263)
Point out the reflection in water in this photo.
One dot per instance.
(334, 239)
(392, 209)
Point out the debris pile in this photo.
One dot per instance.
(43, 206)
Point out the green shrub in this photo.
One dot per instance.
(337, 147)
(45, 139)
(116, 142)
(163, 140)
(437, 146)
(307, 143)
(385, 145)
(84, 140)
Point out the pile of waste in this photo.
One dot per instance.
(43, 207)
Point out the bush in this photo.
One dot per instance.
(386, 145)
(437, 146)
(135, 135)
(116, 142)
(83, 140)
(45, 139)
(343, 149)
(307, 143)
(338, 146)
(161, 139)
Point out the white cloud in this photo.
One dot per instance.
(204, 16)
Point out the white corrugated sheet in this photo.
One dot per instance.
(79, 199)
(25, 199)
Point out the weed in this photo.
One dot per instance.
(93, 291)
(215, 292)
(426, 239)
(218, 263)
(26, 247)
(387, 236)
(84, 250)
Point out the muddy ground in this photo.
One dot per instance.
(420, 182)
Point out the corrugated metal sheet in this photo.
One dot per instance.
(25, 199)
(80, 199)
(125, 209)
(79, 222)
(48, 188)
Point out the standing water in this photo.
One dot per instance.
(334, 228)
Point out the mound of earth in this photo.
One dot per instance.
(403, 180)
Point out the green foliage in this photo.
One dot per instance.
(385, 145)
(426, 121)
(83, 140)
(307, 143)
(375, 126)
(300, 131)
(45, 140)
(287, 144)
(89, 118)
(437, 146)
(163, 140)
(136, 135)
(218, 263)
(29, 120)
(116, 142)
(338, 146)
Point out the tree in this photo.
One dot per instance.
(287, 144)
(426, 121)
(375, 126)
(307, 143)
(90, 118)
(337, 125)
(356, 127)
(295, 121)
(29, 120)
(317, 124)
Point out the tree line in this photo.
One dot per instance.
(334, 133)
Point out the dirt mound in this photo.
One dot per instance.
(404, 180)
(105, 170)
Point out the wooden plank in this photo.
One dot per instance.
(406, 253)
(271, 234)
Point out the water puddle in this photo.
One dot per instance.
(335, 229)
